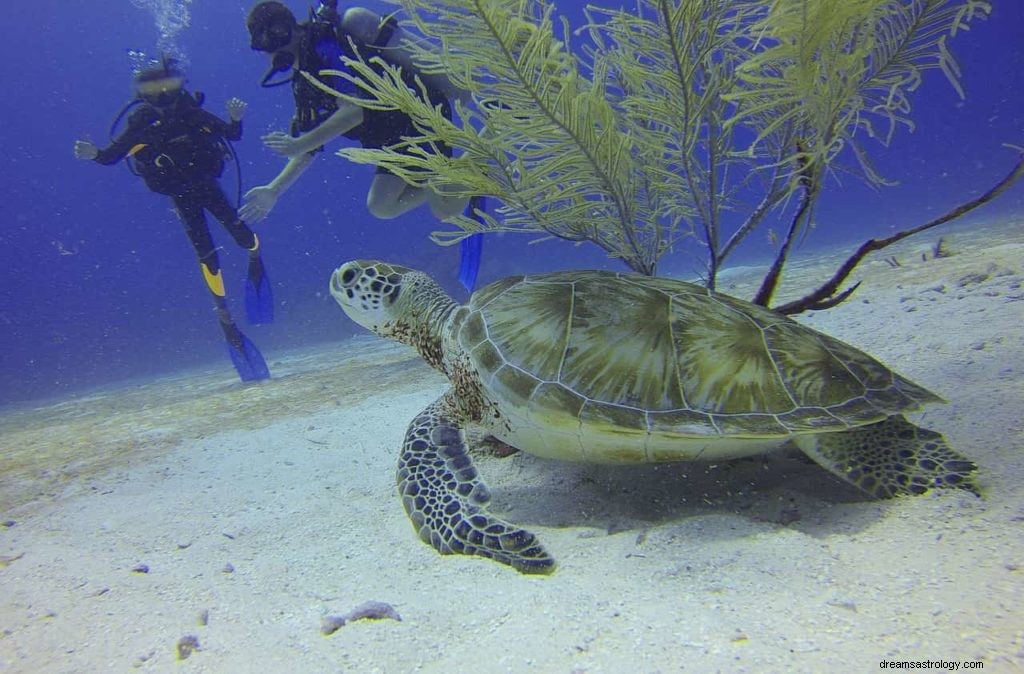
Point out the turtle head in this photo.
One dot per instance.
(371, 292)
(393, 301)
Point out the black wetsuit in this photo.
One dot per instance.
(323, 46)
(180, 152)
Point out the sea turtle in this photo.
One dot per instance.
(608, 367)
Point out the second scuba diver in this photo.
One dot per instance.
(179, 149)
(319, 43)
(323, 42)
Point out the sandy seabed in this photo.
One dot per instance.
(195, 510)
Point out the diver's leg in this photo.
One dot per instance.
(217, 203)
(259, 300)
(445, 206)
(390, 196)
(244, 355)
(191, 211)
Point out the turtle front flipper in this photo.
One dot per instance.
(890, 458)
(446, 499)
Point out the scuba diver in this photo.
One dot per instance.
(179, 149)
(320, 43)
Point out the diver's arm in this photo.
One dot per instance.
(291, 172)
(260, 200)
(120, 148)
(344, 119)
(86, 149)
(134, 134)
(236, 110)
(231, 130)
(227, 130)
(347, 117)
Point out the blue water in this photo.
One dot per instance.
(100, 284)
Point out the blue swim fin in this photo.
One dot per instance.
(247, 359)
(472, 246)
(259, 298)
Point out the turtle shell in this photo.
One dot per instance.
(631, 354)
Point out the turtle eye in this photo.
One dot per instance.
(347, 276)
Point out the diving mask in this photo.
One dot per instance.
(271, 25)
(160, 92)
(271, 36)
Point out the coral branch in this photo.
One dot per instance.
(825, 296)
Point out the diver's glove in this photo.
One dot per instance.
(282, 144)
(85, 149)
(259, 201)
(236, 108)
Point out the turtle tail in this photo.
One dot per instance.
(890, 458)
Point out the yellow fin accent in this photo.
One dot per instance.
(214, 281)
(136, 148)
(255, 243)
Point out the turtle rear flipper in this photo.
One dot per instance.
(890, 458)
(446, 499)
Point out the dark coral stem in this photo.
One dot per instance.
(824, 296)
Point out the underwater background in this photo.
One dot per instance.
(158, 515)
(99, 283)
